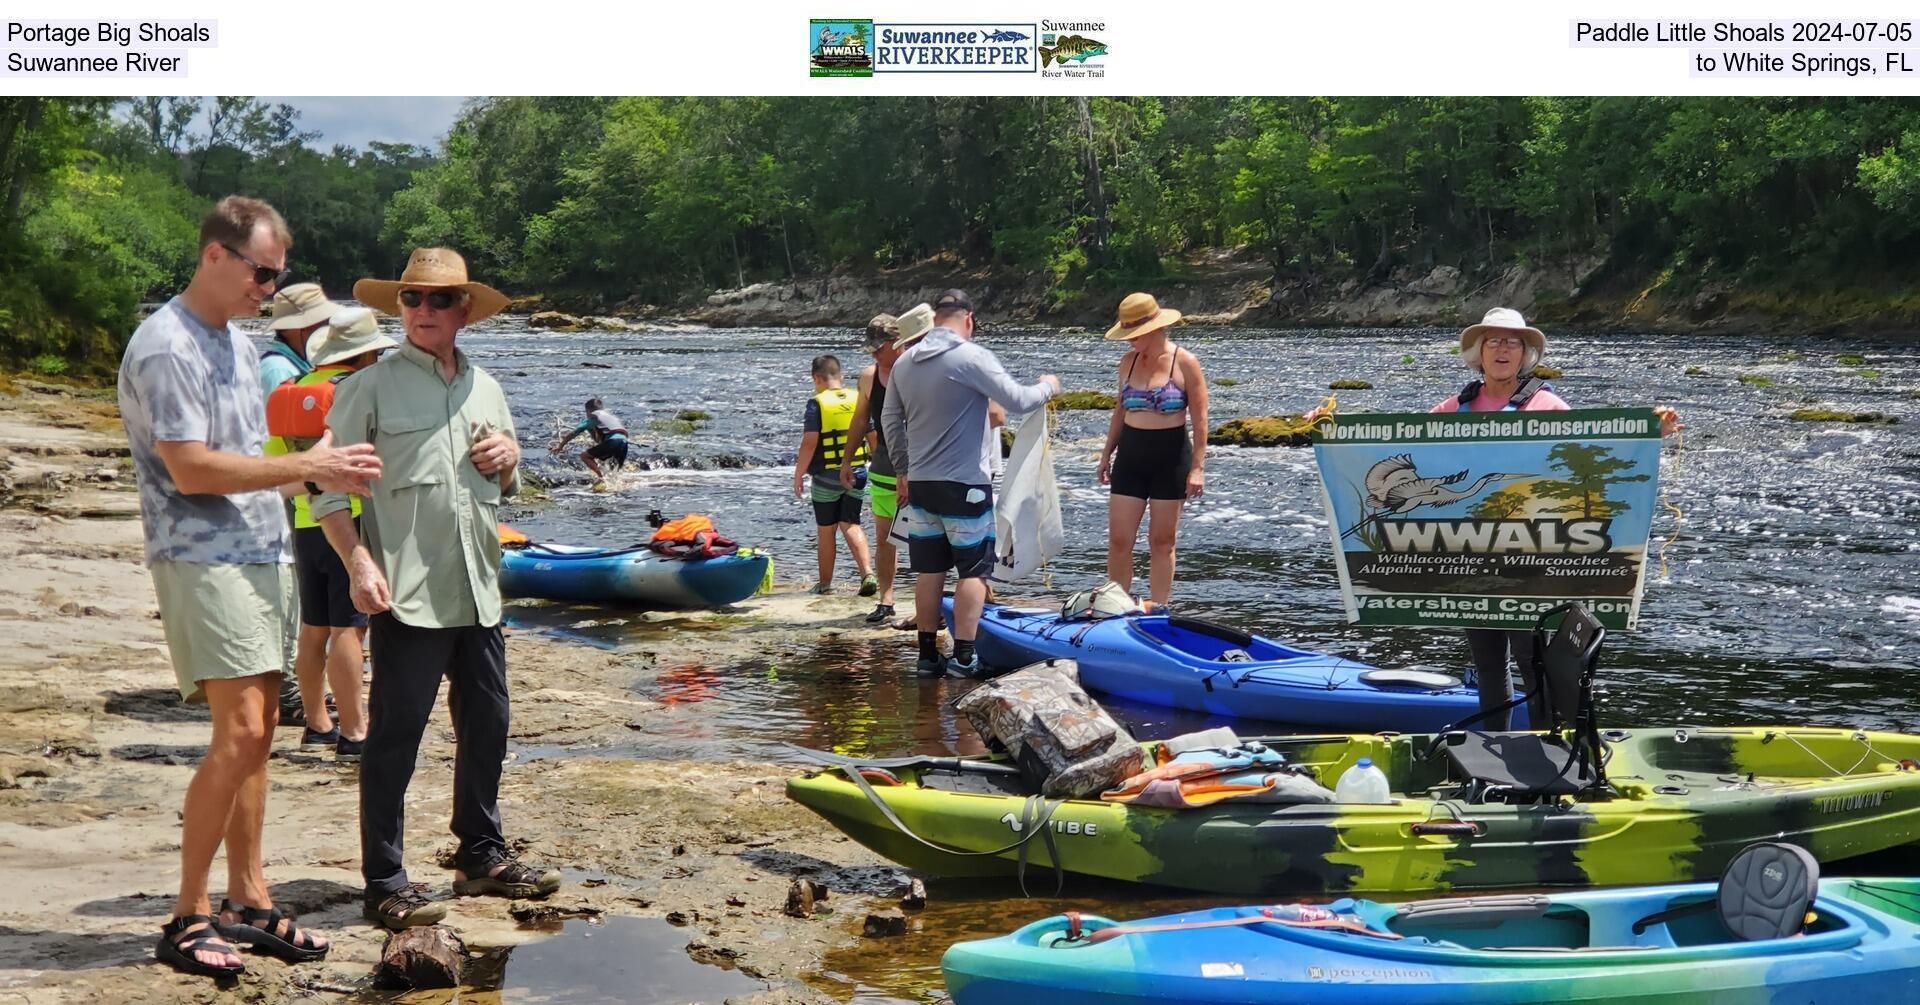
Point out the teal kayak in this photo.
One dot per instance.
(1634, 945)
(629, 576)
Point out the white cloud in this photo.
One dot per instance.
(357, 122)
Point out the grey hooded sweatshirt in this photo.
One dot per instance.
(935, 418)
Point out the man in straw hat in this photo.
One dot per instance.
(216, 545)
(941, 439)
(329, 650)
(886, 335)
(426, 565)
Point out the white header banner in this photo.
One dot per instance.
(1007, 47)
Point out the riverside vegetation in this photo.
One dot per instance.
(1805, 210)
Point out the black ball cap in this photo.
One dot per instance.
(953, 300)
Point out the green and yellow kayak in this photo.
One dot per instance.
(1683, 803)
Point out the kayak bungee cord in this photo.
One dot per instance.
(1036, 813)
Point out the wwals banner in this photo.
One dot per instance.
(1489, 519)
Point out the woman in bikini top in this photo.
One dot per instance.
(1155, 453)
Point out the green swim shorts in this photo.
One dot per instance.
(884, 492)
(224, 622)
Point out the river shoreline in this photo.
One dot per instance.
(1233, 288)
(96, 750)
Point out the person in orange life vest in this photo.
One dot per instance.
(330, 647)
(826, 438)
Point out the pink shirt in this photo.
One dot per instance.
(1542, 401)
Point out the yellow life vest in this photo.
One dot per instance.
(837, 405)
(278, 445)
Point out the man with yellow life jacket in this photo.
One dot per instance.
(825, 440)
(330, 648)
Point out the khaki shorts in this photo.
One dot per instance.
(224, 622)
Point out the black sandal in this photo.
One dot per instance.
(176, 950)
(259, 927)
(881, 612)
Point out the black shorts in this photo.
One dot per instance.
(833, 505)
(613, 450)
(949, 525)
(326, 591)
(1152, 463)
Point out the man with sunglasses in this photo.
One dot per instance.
(425, 566)
(216, 545)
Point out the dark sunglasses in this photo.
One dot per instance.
(261, 274)
(439, 300)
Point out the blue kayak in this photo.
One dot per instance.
(1641, 945)
(1185, 663)
(630, 575)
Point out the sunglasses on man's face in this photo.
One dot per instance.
(439, 300)
(262, 275)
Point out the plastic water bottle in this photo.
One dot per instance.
(1363, 783)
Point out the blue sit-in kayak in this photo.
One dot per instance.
(1183, 663)
(629, 575)
(1862, 948)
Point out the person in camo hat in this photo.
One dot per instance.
(886, 337)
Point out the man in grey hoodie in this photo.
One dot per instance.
(942, 446)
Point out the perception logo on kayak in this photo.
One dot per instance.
(1368, 974)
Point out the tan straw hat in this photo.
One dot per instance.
(1502, 320)
(1139, 314)
(913, 324)
(301, 305)
(350, 333)
(432, 267)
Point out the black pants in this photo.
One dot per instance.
(1490, 647)
(412, 661)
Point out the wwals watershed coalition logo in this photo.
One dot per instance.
(839, 47)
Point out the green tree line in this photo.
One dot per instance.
(660, 198)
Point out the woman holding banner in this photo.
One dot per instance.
(1502, 351)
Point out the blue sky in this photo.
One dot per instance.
(359, 121)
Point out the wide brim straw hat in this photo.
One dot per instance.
(913, 324)
(351, 332)
(1506, 321)
(441, 267)
(1139, 314)
(301, 305)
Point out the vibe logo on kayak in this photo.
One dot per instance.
(1015, 824)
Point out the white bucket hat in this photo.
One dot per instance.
(351, 332)
(301, 305)
(1505, 321)
(913, 324)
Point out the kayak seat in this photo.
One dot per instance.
(1528, 763)
(1531, 765)
(1767, 890)
(1222, 632)
(1765, 893)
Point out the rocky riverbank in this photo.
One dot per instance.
(1237, 288)
(96, 750)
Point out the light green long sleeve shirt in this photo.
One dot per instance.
(430, 522)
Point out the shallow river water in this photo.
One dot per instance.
(1791, 590)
